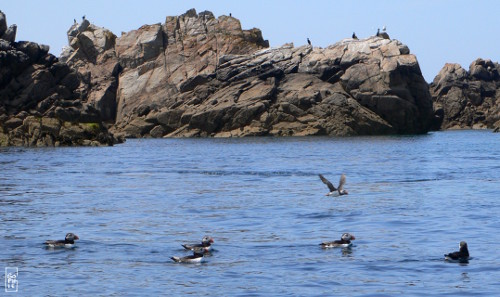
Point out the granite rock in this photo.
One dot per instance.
(467, 99)
(39, 99)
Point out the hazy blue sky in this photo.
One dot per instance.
(436, 31)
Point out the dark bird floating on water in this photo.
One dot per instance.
(461, 256)
(68, 242)
(345, 241)
(335, 191)
(206, 243)
(196, 257)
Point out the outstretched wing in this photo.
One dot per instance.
(342, 182)
(326, 182)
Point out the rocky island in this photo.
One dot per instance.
(196, 75)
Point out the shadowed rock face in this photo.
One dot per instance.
(467, 99)
(39, 101)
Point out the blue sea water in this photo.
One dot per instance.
(411, 200)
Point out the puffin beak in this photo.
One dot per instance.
(211, 240)
(76, 237)
(352, 237)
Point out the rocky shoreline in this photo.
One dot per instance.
(196, 75)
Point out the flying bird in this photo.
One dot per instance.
(335, 191)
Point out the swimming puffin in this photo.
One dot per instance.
(196, 257)
(205, 245)
(461, 256)
(345, 241)
(335, 191)
(68, 242)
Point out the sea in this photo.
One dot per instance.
(411, 200)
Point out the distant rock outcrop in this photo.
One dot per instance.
(467, 99)
(39, 101)
(197, 75)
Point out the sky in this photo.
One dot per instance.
(436, 31)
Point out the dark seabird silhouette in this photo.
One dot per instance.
(345, 241)
(461, 256)
(335, 191)
(68, 242)
(378, 32)
(230, 15)
(196, 257)
(308, 41)
(83, 17)
(206, 243)
(74, 21)
(354, 35)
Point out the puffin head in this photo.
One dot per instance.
(207, 239)
(71, 236)
(348, 236)
(462, 245)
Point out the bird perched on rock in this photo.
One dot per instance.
(335, 191)
(354, 35)
(461, 256)
(345, 241)
(378, 32)
(205, 245)
(308, 41)
(68, 242)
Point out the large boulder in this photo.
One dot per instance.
(160, 60)
(467, 99)
(91, 53)
(197, 75)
